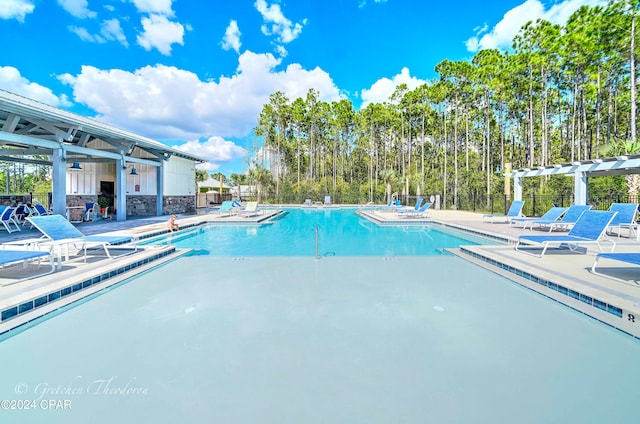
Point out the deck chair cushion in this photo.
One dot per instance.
(590, 228)
(57, 230)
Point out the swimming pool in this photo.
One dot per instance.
(340, 232)
(209, 339)
(346, 339)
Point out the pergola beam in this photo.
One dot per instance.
(25, 152)
(25, 160)
(581, 171)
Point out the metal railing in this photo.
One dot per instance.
(14, 199)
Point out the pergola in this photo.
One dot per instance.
(29, 128)
(581, 171)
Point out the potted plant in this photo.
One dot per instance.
(103, 202)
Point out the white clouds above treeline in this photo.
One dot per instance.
(215, 149)
(501, 35)
(382, 89)
(167, 103)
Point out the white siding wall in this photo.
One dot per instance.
(144, 183)
(87, 180)
(179, 177)
(105, 172)
(82, 182)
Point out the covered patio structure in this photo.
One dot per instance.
(90, 159)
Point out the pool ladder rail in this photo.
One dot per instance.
(318, 257)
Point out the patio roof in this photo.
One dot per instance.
(29, 127)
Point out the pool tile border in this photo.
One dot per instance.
(165, 231)
(585, 299)
(45, 299)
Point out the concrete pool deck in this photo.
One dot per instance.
(560, 275)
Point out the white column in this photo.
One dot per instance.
(59, 182)
(580, 188)
(160, 189)
(517, 188)
(121, 190)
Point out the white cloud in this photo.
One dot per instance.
(85, 35)
(111, 30)
(215, 149)
(168, 103)
(231, 38)
(382, 89)
(277, 24)
(15, 9)
(11, 80)
(77, 8)
(161, 7)
(501, 35)
(160, 33)
(281, 51)
(363, 3)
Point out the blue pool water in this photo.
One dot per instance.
(341, 232)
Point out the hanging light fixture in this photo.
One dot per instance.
(133, 171)
(75, 166)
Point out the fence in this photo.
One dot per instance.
(534, 204)
(27, 198)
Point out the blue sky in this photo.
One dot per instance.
(195, 74)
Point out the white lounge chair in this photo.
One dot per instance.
(91, 211)
(515, 210)
(565, 223)
(57, 232)
(41, 210)
(628, 257)
(393, 203)
(625, 218)
(250, 210)
(551, 215)
(590, 228)
(410, 210)
(422, 212)
(21, 213)
(8, 218)
(9, 257)
(229, 207)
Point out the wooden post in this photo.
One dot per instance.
(507, 179)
